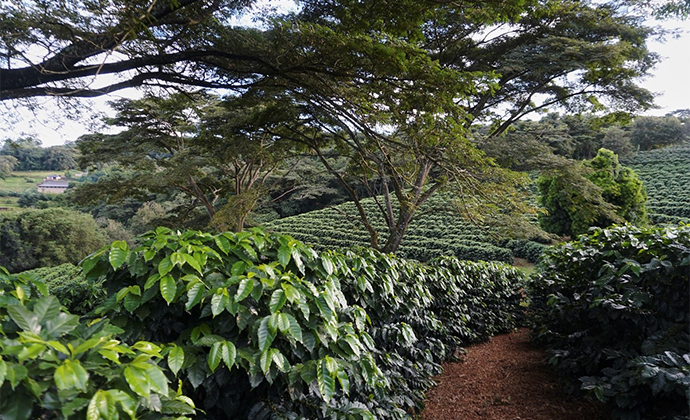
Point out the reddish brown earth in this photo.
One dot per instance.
(506, 378)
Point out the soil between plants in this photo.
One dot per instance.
(506, 378)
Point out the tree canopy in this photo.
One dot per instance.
(394, 86)
(596, 192)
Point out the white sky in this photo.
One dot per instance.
(670, 79)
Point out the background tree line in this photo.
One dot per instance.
(30, 156)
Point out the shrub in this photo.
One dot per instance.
(312, 335)
(40, 238)
(250, 337)
(51, 366)
(258, 326)
(69, 285)
(612, 308)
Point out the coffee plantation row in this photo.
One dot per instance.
(437, 231)
(249, 326)
(666, 176)
(259, 326)
(612, 309)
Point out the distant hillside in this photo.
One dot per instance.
(666, 175)
(18, 182)
(434, 233)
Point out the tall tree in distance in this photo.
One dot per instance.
(218, 154)
(596, 192)
(7, 164)
(655, 132)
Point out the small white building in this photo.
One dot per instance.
(53, 184)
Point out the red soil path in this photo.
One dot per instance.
(506, 378)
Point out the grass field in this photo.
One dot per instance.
(20, 181)
(9, 202)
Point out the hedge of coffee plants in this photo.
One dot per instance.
(68, 283)
(438, 230)
(54, 366)
(666, 176)
(259, 326)
(612, 307)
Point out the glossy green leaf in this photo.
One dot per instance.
(117, 257)
(215, 356)
(291, 293)
(265, 361)
(193, 262)
(168, 288)
(194, 295)
(223, 244)
(97, 405)
(228, 353)
(265, 334)
(297, 257)
(151, 281)
(149, 254)
(278, 299)
(176, 359)
(157, 380)
(325, 381)
(25, 319)
(245, 288)
(327, 264)
(47, 307)
(138, 381)
(344, 381)
(3, 371)
(279, 360)
(219, 301)
(165, 266)
(283, 322)
(284, 255)
(70, 374)
(294, 329)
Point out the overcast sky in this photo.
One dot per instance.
(669, 79)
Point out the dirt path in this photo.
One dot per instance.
(504, 379)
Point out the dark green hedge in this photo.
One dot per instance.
(259, 326)
(613, 308)
(68, 283)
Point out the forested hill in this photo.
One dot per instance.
(666, 175)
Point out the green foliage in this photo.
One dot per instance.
(666, 175)
(41, 238)
(597, 193)
(7, 164)
(260, 326)
(240, 314)
(28, 155)
(438, 230)
(67, 283)
(655, 132)
(613, 310)
(53, 366)
(420, 314)
(620, 186)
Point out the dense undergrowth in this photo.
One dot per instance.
(613, 310)
(247, 325)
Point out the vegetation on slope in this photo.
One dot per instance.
(666, 176)
(439, 230)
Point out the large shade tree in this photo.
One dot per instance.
(395, 84)
(220, 156)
